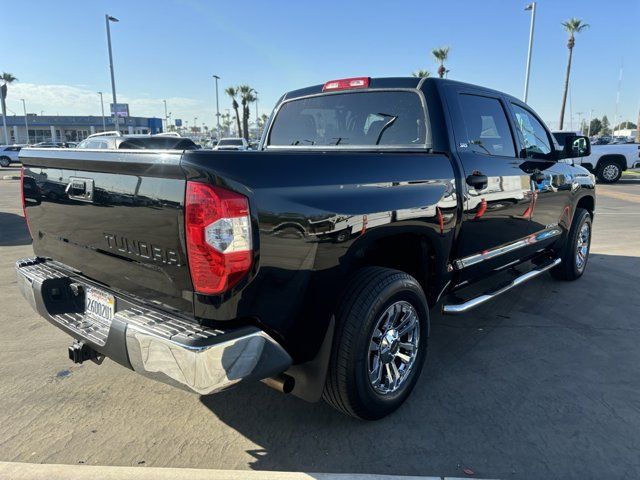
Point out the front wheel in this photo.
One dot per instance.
(575, 252)
(609, 171)
(5, 162)
(380, 343)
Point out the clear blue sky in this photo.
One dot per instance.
(170, 49)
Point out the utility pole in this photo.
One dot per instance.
(216, 77)
(615, 117)
(26, 124)
(166, 117)
(104, 121)
(108, 18)
(532, 7)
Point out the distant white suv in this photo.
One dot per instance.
(9, 154)
(232, 144)
(607, 162)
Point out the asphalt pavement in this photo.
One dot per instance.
(541, 383)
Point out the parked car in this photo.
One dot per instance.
(50, 144)
(9, 154)
(312, 264)
(232, 144)
(155, 142)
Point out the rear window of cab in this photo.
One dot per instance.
(351, 119)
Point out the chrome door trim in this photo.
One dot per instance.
(507, 248)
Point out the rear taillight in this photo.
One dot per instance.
(218, 231)
(346, 84)
(24, 202)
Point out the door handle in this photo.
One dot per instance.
(478, 181)
(538, 177)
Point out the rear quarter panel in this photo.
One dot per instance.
(313, 212)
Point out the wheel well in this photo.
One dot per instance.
(619, 159)
(410, 253)
(588, 203)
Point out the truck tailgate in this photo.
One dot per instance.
(116, 217)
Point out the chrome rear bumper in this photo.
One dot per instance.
(156, 344)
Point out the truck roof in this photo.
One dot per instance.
(392, 82)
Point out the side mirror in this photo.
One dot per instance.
(575, 146)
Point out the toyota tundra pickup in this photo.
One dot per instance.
(313, 263)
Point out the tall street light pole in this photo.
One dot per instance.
(104, 121)
(166, 117)
(26, 124)
(257, 127)
(108, 18)
(532, 7)
(216, 77)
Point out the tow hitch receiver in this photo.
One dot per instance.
(79, 352)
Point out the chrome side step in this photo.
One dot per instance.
(477, 301)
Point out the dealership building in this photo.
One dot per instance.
(42, 128)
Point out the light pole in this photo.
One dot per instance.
(532, 7)
(257, 126)
(195, 124)
(108, 18)
(104, 121)
(216, 77)
(589, 126)
(166, 117)
(26, 124)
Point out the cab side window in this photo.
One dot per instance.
(485, 128)
(533, 135)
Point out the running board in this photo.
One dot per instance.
(477, 301)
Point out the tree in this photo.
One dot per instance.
(572, 26)
(7, 79)
(605, 126)
(233, 93)
(625, 125)
(595, 126)
(247, 97)
(421, 73)
(226, 124)
(441, 55)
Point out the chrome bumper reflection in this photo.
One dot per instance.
(254, 355)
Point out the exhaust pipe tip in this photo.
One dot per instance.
(283, 383)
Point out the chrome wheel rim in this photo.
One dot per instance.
(582, 247)
(393, 347)
(610, 172)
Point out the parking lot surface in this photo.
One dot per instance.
(541, 383)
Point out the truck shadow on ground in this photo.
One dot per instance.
(533, 385)
(14, 230)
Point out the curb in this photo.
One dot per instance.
(35, 471)
(11, 177)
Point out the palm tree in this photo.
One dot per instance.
(232, 92)
(7, 79)
(441, 55)
(421, 74)
(572, 26)
(247, 97)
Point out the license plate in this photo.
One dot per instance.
(99, 305)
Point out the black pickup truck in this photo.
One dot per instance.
(313, 263)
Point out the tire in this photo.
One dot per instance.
(573, 265)
(609, 171)
(375, 301)
(5, 162)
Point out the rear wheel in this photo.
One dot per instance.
(609, 171)
(5, 162)
(380, 343)
(575, 253)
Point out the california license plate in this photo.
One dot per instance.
(99, 305)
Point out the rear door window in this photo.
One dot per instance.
(357, 119)
(484, 128)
